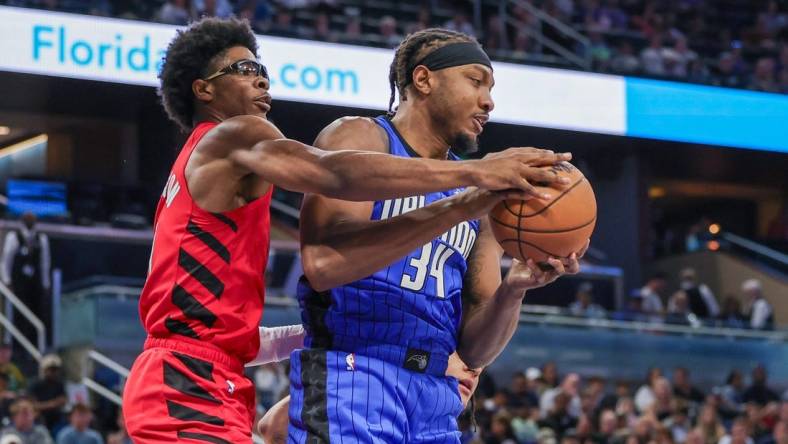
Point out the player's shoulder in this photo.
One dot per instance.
(238, 132)
(254, 128)
(353, 132)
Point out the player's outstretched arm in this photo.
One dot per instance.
(339, 242)
(361, 175)
(491, 306)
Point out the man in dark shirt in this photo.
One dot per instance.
(49, 392)
(758, 392)
(683, 388)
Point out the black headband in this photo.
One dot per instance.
(453, 54)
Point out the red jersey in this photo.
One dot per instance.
(205, 278)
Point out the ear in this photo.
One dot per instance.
(423, 80)
(202, 90)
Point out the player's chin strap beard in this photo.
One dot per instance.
(453, 54)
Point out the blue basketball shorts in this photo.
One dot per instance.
(339, 397)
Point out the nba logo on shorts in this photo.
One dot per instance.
(350, 360)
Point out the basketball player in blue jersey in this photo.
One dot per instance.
(393, 287)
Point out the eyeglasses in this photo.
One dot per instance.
(245, 67)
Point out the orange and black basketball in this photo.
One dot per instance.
(542, 228)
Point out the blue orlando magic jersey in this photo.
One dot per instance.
(408, 313)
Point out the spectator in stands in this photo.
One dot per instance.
(584, 305)
(633, 311)
(459, 22)
(557, 417)
(523, 45)
(501, 430)
(662, 407)
(627, 413)
(779, 434)
(121, 436)
(16, 380)
(763, 78)
(699, 72)
(759, 312)
(671, 62)
(644, 396)
(624, 60)
(648, 22)
(78, 431)
(49, 392)
(257, 12)
(174, 12)
(495, 35)
(569, 387)
(283, 24)
(731, 395)
(731, 316)
(679, 312)
(758, 392)
(322, 28)
(644, 429)
(352, 33)
(212, 8)
(525, 424)
(608, 424)
(550, 375)
(423, 21)
(652, 294)
(679, 423)
(521, 392)
(388, 32)
(600, 51)
(727, 73)
(709, 426)
(23, 423)
(25, 269)
(696, 437)
(651, 58)
(685, 57)
(700, 297)
(739, 433)
(759, 419)
(7, 397)
(683, 388)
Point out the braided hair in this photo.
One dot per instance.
(414, 48)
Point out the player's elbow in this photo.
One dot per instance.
(473, 357)
(317, 269)
(266, 429)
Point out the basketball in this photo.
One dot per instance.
(542, 228)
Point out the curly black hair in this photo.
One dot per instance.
(188, 57)
(415, 47)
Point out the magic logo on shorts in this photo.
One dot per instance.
(416, 360)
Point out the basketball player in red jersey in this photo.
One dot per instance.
(203, 299)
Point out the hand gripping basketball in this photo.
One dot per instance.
(538, 229)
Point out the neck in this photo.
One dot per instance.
(203, 114)
(419, 130)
